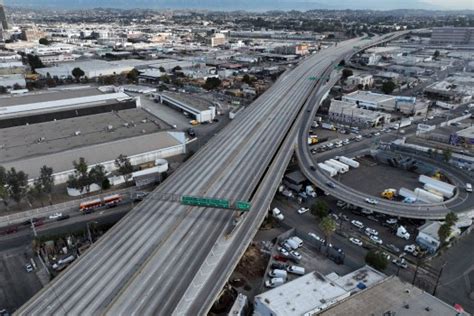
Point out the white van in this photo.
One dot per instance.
(277, 273)
(297, 240)
(274, 282)
(468, 187)
(278, 214)
(295, 270)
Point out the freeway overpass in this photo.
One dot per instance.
(165, 258)
(462, 203)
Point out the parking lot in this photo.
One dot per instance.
(378, 177)
(17, 285)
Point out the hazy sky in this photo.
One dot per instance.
(253, 4)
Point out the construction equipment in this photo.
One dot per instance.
(389, 194)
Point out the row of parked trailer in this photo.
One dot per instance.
(433, 191)
(340, 165)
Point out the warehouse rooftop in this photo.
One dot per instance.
(24, 141)
(191, 100)
(391, 297)
(98, 153)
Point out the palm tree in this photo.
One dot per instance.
(328, 226)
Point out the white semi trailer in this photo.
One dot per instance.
(428, 197)
(335, 166)
(349, 161)
(344, 166)
(437, 184)
(327, 169)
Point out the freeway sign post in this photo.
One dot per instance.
(242, 206)
(215, 203)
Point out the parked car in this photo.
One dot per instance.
(330, 184)
(283, 251)
(279, 265)
(376, 239)
(191, 132)
(28, 268)
(401, 262)
(296, 254)
(274, 282)
(370, 231)
(391, 221)
(356, 241)
(373, 218)
(357, 224)
(410, 248)
(316, 237)
(303, 210)
(278, 214)
(62, 218)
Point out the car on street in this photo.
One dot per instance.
(344, 217)
(55, 215)
(393, 248)
(370, 231)
(277, 214)
(295, 254)
(371, 201)
(357, 224)
(356, 241)
(373, 218)
(303, 210)
(191, 132)
(283, 251)
(28, 268)
(330, 184)
(376, 239)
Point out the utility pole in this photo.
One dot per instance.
(437, 279)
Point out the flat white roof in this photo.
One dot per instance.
(8, 111)
(308, 293)
(368, 96)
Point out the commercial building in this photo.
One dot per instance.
(11, 81)
(464, 138)
(92, 69)
(349, 113)
(199, 109)
(364, 80)
(390, 297)
(99, 138)
(56, 104)
(450, 91)
(32, 34)
(453, 35)
(428, 237)
(56, 58)
(314, 292)
(217, 39)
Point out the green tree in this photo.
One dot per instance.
(451, 218)
(444, 232)
(77, 73)
(80, 180)
(447, 154)
(320, 209)
(36, 192)
(176, 69)
(44, 41)
(3, 186)
(436, 54)
(346, 73)
(388, 87)
(376, 259)
(162, 69)
(17, 184)
(212, 83)
(328, 226)
(133, 75)
(34, 62)
(46, 180)
(246, 79)
(97, 175)
(124, 167)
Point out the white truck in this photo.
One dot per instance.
(310, 191)
(428, 197)
(328, 126)
(341, 166)
(403, 233)
(276, 213)
(443, 187)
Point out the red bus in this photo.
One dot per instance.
(109, 201)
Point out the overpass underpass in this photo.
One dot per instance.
(164, 258)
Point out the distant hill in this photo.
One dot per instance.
(250, 5)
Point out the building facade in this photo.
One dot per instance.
(453, 35)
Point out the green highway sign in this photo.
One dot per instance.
(205, 202)
(312, 78)
(242, 206)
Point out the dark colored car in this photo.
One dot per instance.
(191, 132)
(279, 265)
(62, 218)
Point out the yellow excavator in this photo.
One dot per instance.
(389, 194)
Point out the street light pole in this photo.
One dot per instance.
(33, 227)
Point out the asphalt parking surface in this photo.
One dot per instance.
(17, 285)
(373, 177)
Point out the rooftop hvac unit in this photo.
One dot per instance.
(110, 127)
(77, 133)
(144, 121)
(125, 124)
